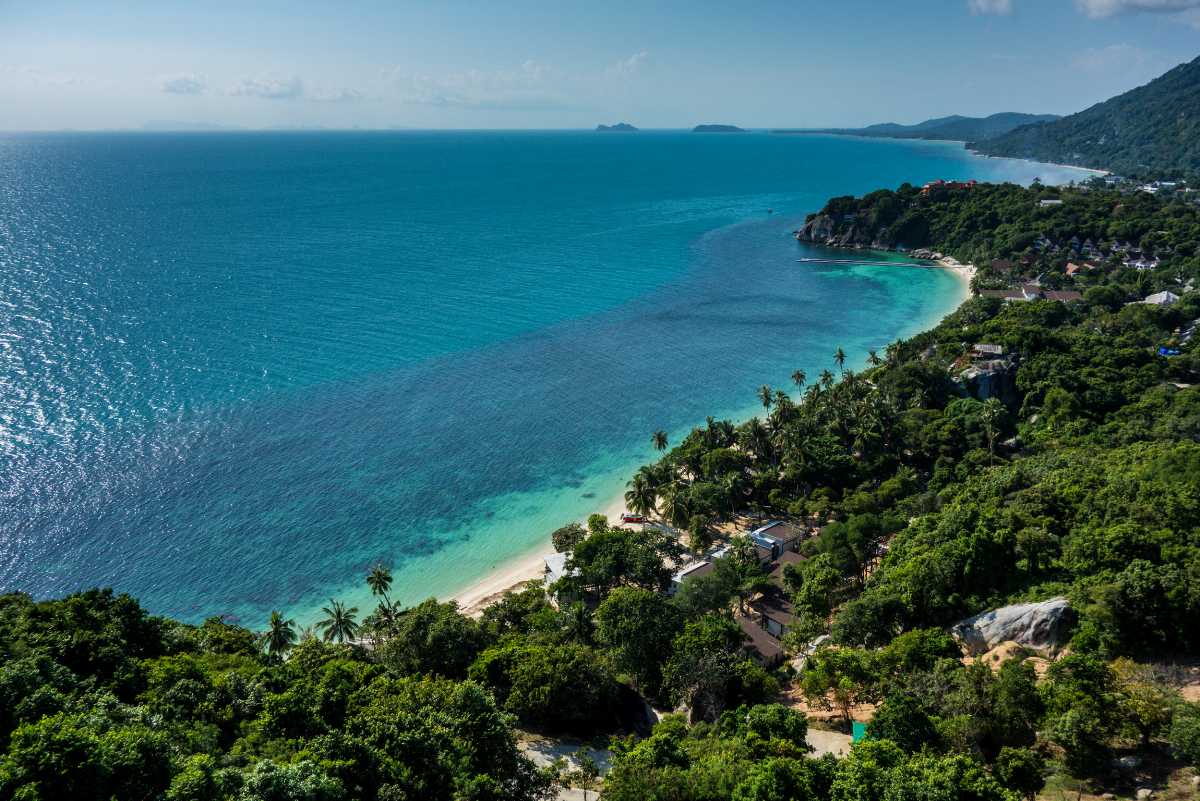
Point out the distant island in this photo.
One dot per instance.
(620, 126)
(718, 129)
(952, 128)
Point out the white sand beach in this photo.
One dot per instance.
(964, 272)
(512, 574)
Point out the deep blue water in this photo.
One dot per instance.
(236, 369)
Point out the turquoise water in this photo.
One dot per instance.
(237, 369)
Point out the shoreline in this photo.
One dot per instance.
(510, 575)
(963, 272)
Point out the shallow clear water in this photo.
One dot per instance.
(237, 369)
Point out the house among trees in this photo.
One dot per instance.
(777, 538)
(771, 614)
(1032, 291)
(1164, 298)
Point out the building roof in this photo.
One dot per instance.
(1164, 298)
(991, 350)
(776, 606)
(694, 570)
(767, 647)
(776, 533)
(786, 558)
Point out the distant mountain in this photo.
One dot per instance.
(718, 129)
(620, 126)
(955, 127)
(1148, 131)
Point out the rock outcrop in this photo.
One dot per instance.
(841, 232)
(1041, 626)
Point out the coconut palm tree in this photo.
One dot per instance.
(280, 634)
(798, 378)
(991, 415)
(766, 395)
(873, 358)
(641, 497)
(380, 581)
(839, 356)
(339, 624)
(659, 438)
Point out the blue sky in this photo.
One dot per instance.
(567, 64)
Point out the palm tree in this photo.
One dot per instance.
(641, 497)
(280, 634)
(826, 379)
(339, 624)
(380, 581)
(839, 356)
(766, 395)
(873, 358)
(798, 378)
(992, 414)
(659, 438)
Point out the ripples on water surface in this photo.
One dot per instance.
(237, 369)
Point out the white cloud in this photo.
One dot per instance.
(995, 7)
(1107, 8)
(335, 95)
(628, 67)
(1116, 57)
(530, 87)
(182, 84)
(270, 88)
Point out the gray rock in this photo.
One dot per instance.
(1143, 793)
(1131, 762)
(1041, 626)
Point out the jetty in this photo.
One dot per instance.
(863, 263)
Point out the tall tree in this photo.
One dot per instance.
(340, 622)
(839, 356)
(641, 496)
(766, 395)
(659, 438)
(280, 634)
(380, 581)
(798, 378)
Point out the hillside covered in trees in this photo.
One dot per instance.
(1081, 480)
(1150, 131)
(953, 128)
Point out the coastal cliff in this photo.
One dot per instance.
(842, 231)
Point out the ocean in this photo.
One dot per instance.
(238, 369)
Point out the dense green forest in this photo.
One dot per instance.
(1081, 479)
(1151, 131)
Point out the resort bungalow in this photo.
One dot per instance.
(983, 350)
(687, 572)
(1164, 298)
(1031, 292)
(777, 537)
(761, 647)
(555, 567)
(771, 615)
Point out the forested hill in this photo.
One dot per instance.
(1150, 131)
(978, 223)
(953, 128)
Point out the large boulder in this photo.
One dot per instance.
(1041, 626)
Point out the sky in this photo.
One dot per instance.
(568, 64)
